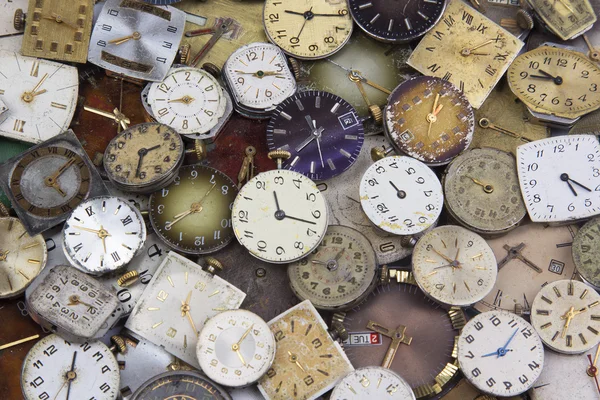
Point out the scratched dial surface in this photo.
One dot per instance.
(376, 382)
(566, 19)
(585, 252)
(401, 195)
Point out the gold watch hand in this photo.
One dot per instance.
(486, 188)
(355, 75)
(185, 100)
(594, 53)
(189, 316)
(240, 357)
(58, 19)
(468, 51)
(568, 316)
(339, 255)
(596, 356)
(97, 232)
(207, 193)
(239, 342)
(443, 256)
(117, 116)
(485, 123)
(294, 359)
(178, 218)
(40, 83)
(566, 5)
(431, 117)
(135, 36)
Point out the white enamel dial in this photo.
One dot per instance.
(500, 353)
(41, 96)
(279, 216)
(565, 316)
(103, 234)
(176, 304)
(258, 76)
(454, 266)
(560, 177)
(7, 16)
(189, 100)
(57, 369)
(401, 195)
(235, 348)
(372, 382)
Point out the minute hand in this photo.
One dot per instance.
(300, 219)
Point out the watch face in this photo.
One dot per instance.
(567, 20)
(103, 234)
(376, 382)
(467, 49)
(500, 353)
(391, 22)
(401, 195)
(193, 214)
(279, 216)
(309, 29)
(560, 178)
(429, 119)
(188, 100)
(321, 131)
(585, 252)
(180, 384)
(40, 96)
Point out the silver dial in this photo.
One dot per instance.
(372, 382)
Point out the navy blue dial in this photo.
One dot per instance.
(322, 132)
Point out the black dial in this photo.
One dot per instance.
(180, 385)
(396, 21)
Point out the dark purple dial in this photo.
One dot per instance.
(322, 132)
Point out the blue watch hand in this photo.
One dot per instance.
(510, 339)
(490, 354)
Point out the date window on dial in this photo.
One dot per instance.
(556, 266)
(363, 339)
(348, 120)
(406, 136)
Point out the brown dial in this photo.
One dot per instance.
(193, 214)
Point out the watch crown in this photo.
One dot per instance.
(338, 332)
(212, 69)
(128, 278)
(295, 67)
(118, 344)
(3, 210)
(200, 149)
(184, 53)
(384, 275)
(19, 20)
(378, 153)
(214, 266)
(279, 155)
(376, 113)
(524, 19)
(408, 241)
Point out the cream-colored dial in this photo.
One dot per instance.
(308, 29)
(565, 316)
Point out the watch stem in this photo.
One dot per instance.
(376, 113)
(378, 153)
(19, 20)
(279, 155)
(4, 210)
(183, 54)
(119, 345)
(338, 330)
(524, 20)
(128, 279)
(408, 241)
(295, 67)
(213, 266)
(212, 69)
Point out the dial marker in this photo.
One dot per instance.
(390, 25)
(29, 246)
(279, 131)
(23, 273)
(58, 105)
(365, 5)
(547, 300)
(286, 115)
(375, 18)
(546, 325)
(542, 312)
(300, 105)
(295, 161)
(157, 325)
(345, 153)
(331, 164)
(170, 281)
(33, 261)
(318, 102)
(425, 17)
(335, 107)
(408, 24)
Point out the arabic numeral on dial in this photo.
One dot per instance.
(526, 333)
(50, 350)
(161, 60)
(329, 39)
(523, 379)
(317, 343)
(299, 245)
(380, 170)
(310, 232)
(587, 203)
(124, 295)
(262, 246)
(167, 45)
(44, 396)
(495, 320)
(422, 219)
(279, 180)
(225, 223)
(112, 12)
(476, 372)
(596, 172)
(309, 380)
(106, 28)
(534, 64)
(261, 185)
(382, 208)
(593, 87)
(268, 93)
(478, 326)
(105, 387)
(559, 148)
(37, 382)
(311, 197)
(427, 193)
(172, 29)
(280, 250)
(274, 17)
(297, 183)
(490, 382)
(279, 336)
(523, 75)
(199, 241)
(373, 182)
(313, 47)
(327, 291)
(531, 88)
(409, 223)
(470, 243)
(536, 198)
(243, 216)
(469, 338)
(571, 207)
(101, 43)
(480, 282)
(316, 214)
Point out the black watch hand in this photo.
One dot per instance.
(139, 166)
(580, 185)
(565, 178)
(293, 12)
(71, 375)
(276, 201)
(300, 219)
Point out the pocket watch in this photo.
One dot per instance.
(454, 266)
(332, 141)
(560, 178)
(103, 234)
(193, 214)
(529, 258)
(10, 24)
(585, 251)
(182, 384)
(375, 382)
(390, 22)
(467, 49)
(235, 348)
(68, 302)
(500, 353)
(259, 78)
(308, 362)
(144, 158)
(56, 368)
(58, 29)
(46, 182)
(565, 19)
(261, 220)
(482, 193)
(415, 340)
(401, 195)
(557, 85)
(22, 257)
(563, 316)
(566, 376)
(136, 39)
(338, 274)
(177, 302)
(40, 96)
(429, 119)
(311, 30)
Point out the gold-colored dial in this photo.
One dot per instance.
(308, 362)
(467, 49)
(308, 29)
(58, 29)
(556, 81)
(567, 19)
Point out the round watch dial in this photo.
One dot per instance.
(563, 314)
(429, 119)
(180, 384)
(22, 257)
(309, 29)
(401, 195)
(556, 81)
(83, 370)
(258, 76)
(235, 348)
(50, 181)
(279, 216)
(391, 22)
(189, 100)
(500, 353)
(481, 191)
(193, 214)
(339, 273)
(143, 156)
(374, 382)
(586, 252)
(321, 131)
(454, 266)
(103, 234)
